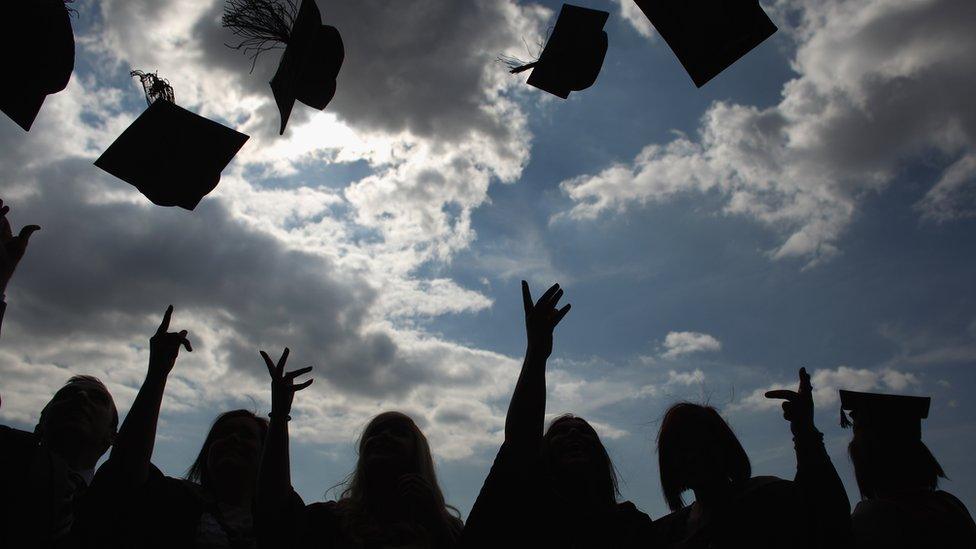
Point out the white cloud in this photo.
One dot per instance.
(633, 15)
(880, 82)
(678, 344)
(329, 268)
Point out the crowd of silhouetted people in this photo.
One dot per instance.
(552, 486)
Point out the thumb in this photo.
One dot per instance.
(22, 238)
(27, 231)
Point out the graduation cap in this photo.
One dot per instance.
(888, 415)
(170, 154)
(708, 35)
(40, 49)
(573, 55)
(313, 52)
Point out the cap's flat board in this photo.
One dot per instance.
(172, 155)
(708, 36)
(574, 53)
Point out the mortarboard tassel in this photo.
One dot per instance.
(262, 24)
(844, 421)
(155, 87)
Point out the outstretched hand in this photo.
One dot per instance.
(283, 385)
(798, 408)
(12, 247)
(541, 319)
(164, 346)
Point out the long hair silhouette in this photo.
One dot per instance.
(199, 472)
(600, 466)
(881, 464)
(693, 435)
(354, 495)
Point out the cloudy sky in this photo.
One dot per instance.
(814, 205)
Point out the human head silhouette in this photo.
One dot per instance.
(885, 465)
(572, 449)
(391, 445)
(79, 422)
(232, 449)
(697, 449)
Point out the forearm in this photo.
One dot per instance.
(274, 478)
(133, 446)
(823, 491)
(527, 410)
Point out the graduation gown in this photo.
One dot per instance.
(165, 512)
(39, 494)
(335, 525)
(926, 518)
(517, 508)
(811, 511)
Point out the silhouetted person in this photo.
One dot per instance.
(44, 475)
(211, 507)
(698, 451)
(898, 478)
(392, 499)
(12, 250)
(557, 489)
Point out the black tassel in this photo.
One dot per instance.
(155, 87)
(262, 24)
(844, 421)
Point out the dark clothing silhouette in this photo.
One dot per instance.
(340, 525)
(765, 511)
(518, 507)
(761, 513)
(925, 518)
(39, 493)
(168, 512)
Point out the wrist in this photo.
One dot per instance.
(156, 373)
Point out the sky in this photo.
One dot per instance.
(814, 205)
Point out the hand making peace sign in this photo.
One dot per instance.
(283, 387)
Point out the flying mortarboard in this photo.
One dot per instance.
(574, 53)
(313, 52)
(40, 46)
(170, 154)
(889, 415)
(708, 35)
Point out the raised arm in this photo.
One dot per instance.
(828, 511)
(12, 249)
(134, 444)
(527, 410)
(274, 478)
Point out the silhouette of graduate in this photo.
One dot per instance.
(898, 477)
(552, 489)
(698, 451)
(44, 475)
(211, 506)
(391, 499)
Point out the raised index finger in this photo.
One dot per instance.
(526, 297)
(806, 387)
(164, 325)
